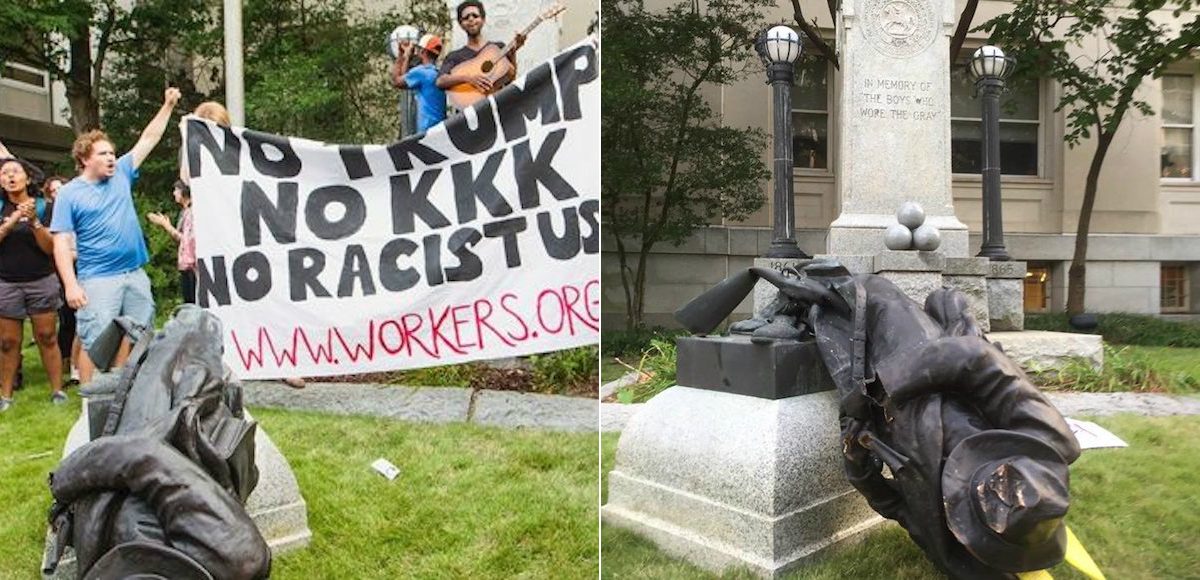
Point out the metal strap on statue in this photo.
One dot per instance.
(858, 368)
(126, 382)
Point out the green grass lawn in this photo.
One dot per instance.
(1136, 510)
(470, 502)
(1171, 359)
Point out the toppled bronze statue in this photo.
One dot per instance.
(159, 491)
(940, 430)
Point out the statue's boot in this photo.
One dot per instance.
(747, 326)
(781, 327)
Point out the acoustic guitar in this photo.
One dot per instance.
(493, 62)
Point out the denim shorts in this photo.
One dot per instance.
(109, 297)
(20, 300)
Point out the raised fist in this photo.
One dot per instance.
(171, 96)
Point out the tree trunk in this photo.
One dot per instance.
(85, 108)
(626, 283)
(1077, 275)
(960, 32)
(639, 289)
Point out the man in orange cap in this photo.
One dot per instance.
(431, 101)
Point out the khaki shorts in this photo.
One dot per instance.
(20, 300)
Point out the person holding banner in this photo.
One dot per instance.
(217, 113)
(431, 101)
(95, 210)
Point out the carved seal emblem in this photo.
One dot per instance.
(899, 28)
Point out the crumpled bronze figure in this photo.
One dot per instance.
(940, 430)
(160, 490)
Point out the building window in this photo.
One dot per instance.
(22, 76)
(1179, 126)
(1020, 126)
(1037, 288)
(810, 114)
(1174, 285)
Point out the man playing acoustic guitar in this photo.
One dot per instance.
(471, 16)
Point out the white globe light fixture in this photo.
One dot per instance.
(989, 62)
(782, 44)
(402, 33)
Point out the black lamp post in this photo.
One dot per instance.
(990, 68)
(779, 48)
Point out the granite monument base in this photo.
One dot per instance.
(730, 481)
(1006, 295)
(275, 505)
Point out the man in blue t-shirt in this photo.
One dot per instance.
(94, 216)
(431, 101)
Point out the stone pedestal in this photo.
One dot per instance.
(729, 481)
(914, 273)
(894, 134)
(275, 505)
(969, 275)
(1006, 295)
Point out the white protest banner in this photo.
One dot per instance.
(476, 240)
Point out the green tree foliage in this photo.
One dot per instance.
(76, 41)
(1099, 52)
(670, 166)
(313, 68)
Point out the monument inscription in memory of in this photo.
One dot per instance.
(895, 132)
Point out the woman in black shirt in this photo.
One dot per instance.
(29, 287)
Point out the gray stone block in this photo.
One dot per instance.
(716, 240)
(1009, 269)
(743, 242)
(729, 481)
(531, 410)
(1045, 350)
(854, 264)
(915, 285)
(1006, 303)
(734, 364)
(967, 267)
(976, 290)
(909, 261)
(616, 416)
(868, 240)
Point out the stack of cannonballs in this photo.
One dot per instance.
(911, 232)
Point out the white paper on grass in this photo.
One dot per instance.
(1093, 436)
(386, 468)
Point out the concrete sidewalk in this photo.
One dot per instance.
(431, 404)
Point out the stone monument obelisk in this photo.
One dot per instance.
(894, 132)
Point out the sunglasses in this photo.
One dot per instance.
(468, 16)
